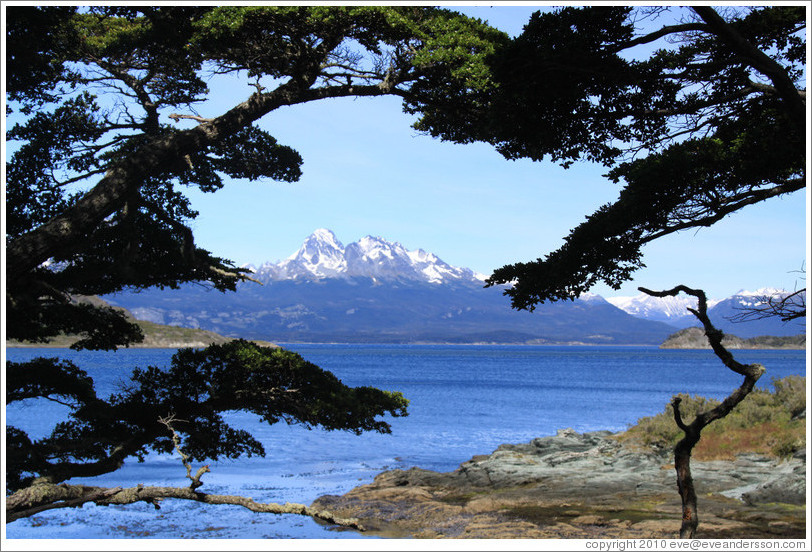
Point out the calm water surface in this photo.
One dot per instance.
(465, 400)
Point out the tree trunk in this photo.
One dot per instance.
(685, 485)
(692, 432)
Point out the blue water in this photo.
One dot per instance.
(465, 400)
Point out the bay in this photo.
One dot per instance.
(465, 400)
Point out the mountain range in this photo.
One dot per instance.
(377, 291)
(724, 313)
(322, 256)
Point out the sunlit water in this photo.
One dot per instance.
(465, 400)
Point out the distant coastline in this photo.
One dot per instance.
(694, 338)
(156, 336)
(160, 336)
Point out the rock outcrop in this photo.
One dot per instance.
(575, 485)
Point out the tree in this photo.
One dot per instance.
(99, 116)
(190, 397)
(692, 431)
(710, 123)
(713, 121)
(106, 137)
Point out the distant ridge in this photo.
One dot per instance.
(156, 336)
(724, 313)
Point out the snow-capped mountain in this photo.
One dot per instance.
(726, 314)
(322, 255)
(377, 291)
(759, 297)
(662, 309)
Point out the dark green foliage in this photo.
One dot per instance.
(547, 78)
(195, 391)
(102, 328)
(102, 152)
(254, 154)
(102, 111)
(33, 72)
(701, 128)
(48, 377)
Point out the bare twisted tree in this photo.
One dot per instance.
(692, 431)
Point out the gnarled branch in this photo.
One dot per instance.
(177, 117)
(757, 59)
(42, 497)
(693, 430)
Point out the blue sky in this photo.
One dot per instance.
(367, 172)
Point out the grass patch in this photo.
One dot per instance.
(765, 422)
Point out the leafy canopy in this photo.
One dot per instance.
(95, 192)
(106, 139)
(196, 390)
(709, 123)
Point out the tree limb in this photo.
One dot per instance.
(675, 402)
(42, 497)
(177, 117)
(125, 178)
(757, 59)
(196, 482)
(664, 31)
(732, 205)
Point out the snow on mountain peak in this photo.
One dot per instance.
(591, 298)
(762, 292)
(322, 255)
(661, 309)
(674, 309)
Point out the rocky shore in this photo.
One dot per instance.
(575, 485)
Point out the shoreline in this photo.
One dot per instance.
(200, 344)
(575, 485)
(421, 344)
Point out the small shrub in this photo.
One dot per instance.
(763, 423)
(791, 393)
(787, 445)
(661, 430)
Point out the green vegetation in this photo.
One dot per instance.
(713, 120)
(766, 422)
(189, 397)
(694, 338)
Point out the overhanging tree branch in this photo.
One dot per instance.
(662, 32)
(123, 180)
(758, 60)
